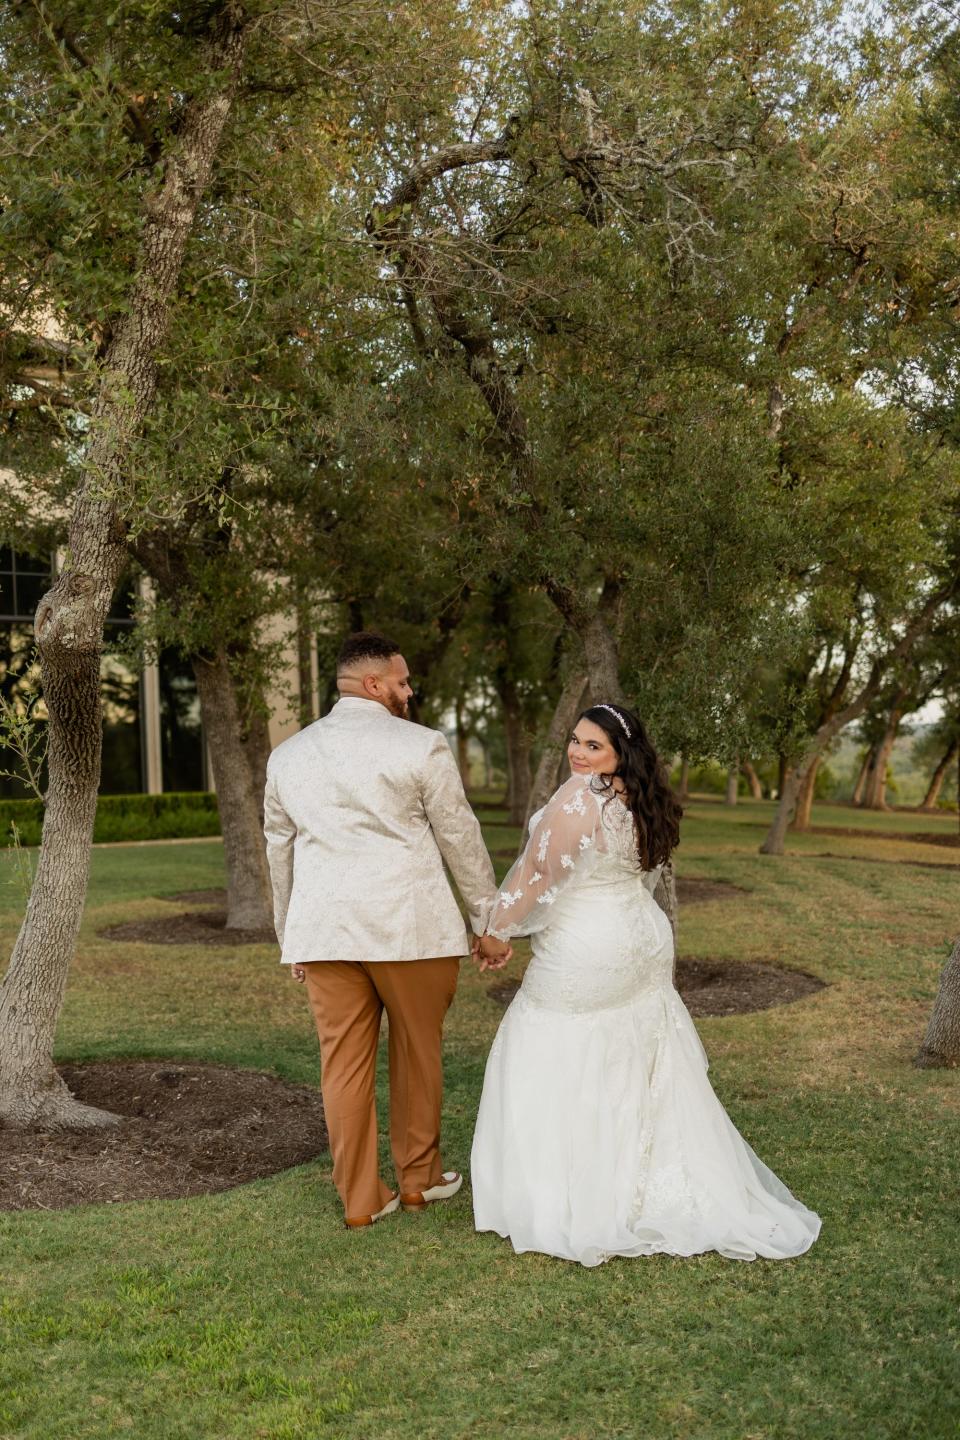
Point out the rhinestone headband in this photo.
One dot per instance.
(623, 724)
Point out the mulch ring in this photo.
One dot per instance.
(188, 1129)
(693, 889)
(720, 987)
(190, 927)
(943, 865)
(949, 839)
(208, 927)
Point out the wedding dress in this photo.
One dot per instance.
(599, 1133)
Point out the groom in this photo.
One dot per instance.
(361, 809)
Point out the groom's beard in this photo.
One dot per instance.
(398, 707)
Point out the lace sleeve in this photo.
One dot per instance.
(651, 879)
(561, 847)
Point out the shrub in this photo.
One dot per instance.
(125, 817)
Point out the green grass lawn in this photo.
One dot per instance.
(254, 1314)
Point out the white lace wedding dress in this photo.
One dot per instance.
(599, 1133)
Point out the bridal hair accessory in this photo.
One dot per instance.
(623, 724)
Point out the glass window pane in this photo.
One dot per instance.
(30, 591)
(7, 599)
(121, 769)
(28, 564)
(18, 687)
(124, 599)
(181, 736)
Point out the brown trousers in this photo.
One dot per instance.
(348, 998)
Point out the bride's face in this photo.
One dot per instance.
(591, 751)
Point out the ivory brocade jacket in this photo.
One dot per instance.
(361, 809)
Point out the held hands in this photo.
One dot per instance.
(490, 953)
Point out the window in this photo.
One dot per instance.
(18, 685)
(24, 579)
(121, 766)
(181, 736)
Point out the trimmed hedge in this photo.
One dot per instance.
(124, 817)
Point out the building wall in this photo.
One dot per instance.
(153, 737)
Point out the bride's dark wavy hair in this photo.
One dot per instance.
(655, 808)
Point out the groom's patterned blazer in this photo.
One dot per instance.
(360, 811)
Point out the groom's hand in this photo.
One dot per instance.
(298, 973)
(493, 954)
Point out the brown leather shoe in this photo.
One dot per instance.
(450, 1182)
(361, 1221)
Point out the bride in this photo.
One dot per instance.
(599, 1133)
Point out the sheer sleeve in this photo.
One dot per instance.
(562, 846)
(651, 879)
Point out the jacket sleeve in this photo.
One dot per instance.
(457, 832)
(562, 847)
(280, 832)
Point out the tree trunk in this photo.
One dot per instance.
(167, 557)
(783, 770)
(683, 784)
(875, 796)
(70, 618)
(249, 900)
(941, 1044)
(255, 743)
(305, 711)
(463, 747)
(801, 820)
(602, 654)
(509, 664)
(519, 778)
(753, 779)
(777, 834)
(554, 751)
(939, 775)
(875, 790)
(841, 716)
(733, 783)
(31, 1091)
(857, 796)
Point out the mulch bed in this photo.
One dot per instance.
(191, 927)
(917, 837)
(693, 889)
(872, 860)
(198, 897)
(719, 987)
(188, 1129)
(208, 927)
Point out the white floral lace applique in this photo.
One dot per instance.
(561, 849)
(576, 805)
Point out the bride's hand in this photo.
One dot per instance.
(493, 954)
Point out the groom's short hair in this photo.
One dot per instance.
(365, 645)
